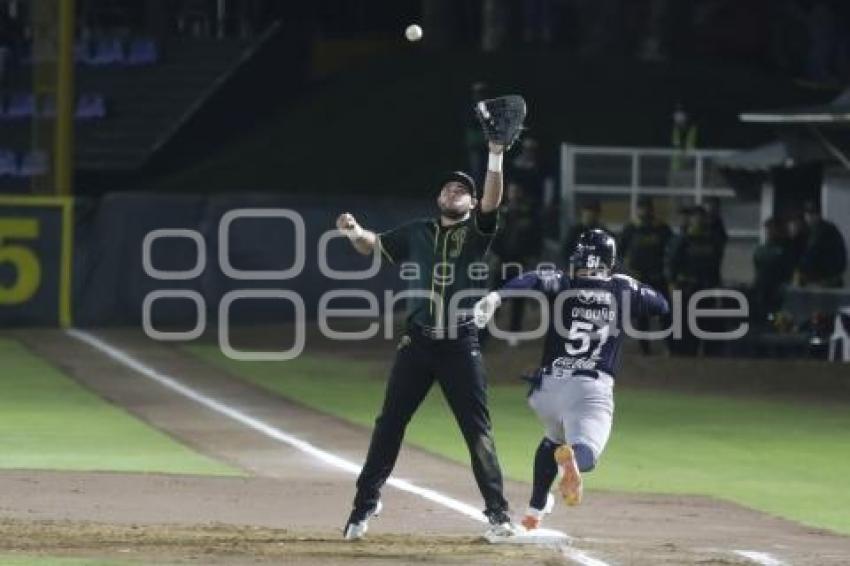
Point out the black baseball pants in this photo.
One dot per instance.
(457, 366)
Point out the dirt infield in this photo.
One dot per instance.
(291, 507)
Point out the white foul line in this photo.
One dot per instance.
(266, 429)
(762, 558)
(327, 457)
(577, 555)
(297, 443)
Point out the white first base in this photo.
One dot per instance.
(534, 536)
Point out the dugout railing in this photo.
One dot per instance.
(617, 177)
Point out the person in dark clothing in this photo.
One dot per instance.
(824, 258)
(573, 388)
(440, 345)
(774, 267)
(693, 264)
(526, 170)
(518, 243)
(683, 214)
(642, 245)
(532, 172)
(797, 238)
(588, 220)
(716, 227)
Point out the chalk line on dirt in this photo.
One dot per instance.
(763, 558)
(571, 553)
(268, 430)
(281, 436)
(582, 558)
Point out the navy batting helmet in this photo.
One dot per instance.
(595, 249)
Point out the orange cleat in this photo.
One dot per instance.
(570, 484)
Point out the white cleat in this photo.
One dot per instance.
(500, 533)
(358, 523)
(501, 528)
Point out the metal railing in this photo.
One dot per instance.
(619, 176)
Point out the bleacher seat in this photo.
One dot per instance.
(8, 163)
(107, 51)
(120, 115)
(90, 106)
(47, 108)
(33, 164)
(20, 105)
(143, 51)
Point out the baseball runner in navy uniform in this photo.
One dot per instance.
(439, 344)
(573, 390)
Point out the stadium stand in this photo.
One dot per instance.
(33, 164)
(142, 51)
(22, 106)
(133, 94)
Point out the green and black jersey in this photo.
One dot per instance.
(444, 267)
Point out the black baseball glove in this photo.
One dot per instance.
(502, 118)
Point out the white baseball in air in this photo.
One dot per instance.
(413, 33)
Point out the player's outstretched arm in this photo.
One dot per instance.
(652, 301)
(484, 309)
(364, 241)
(493, 183)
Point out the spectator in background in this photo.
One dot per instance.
(693, 264)
(642, 247)
(774, 266)
(714, 220)
(473, 135)
(683, 214)
(716, 227)
(518, 244)
(797, 238)
(527, 168)
(824, 257)
(527, 171)
(588, 219)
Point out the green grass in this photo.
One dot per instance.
(48, 421)
(787, 459)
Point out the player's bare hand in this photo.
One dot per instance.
(347, 224)
(496, 148)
